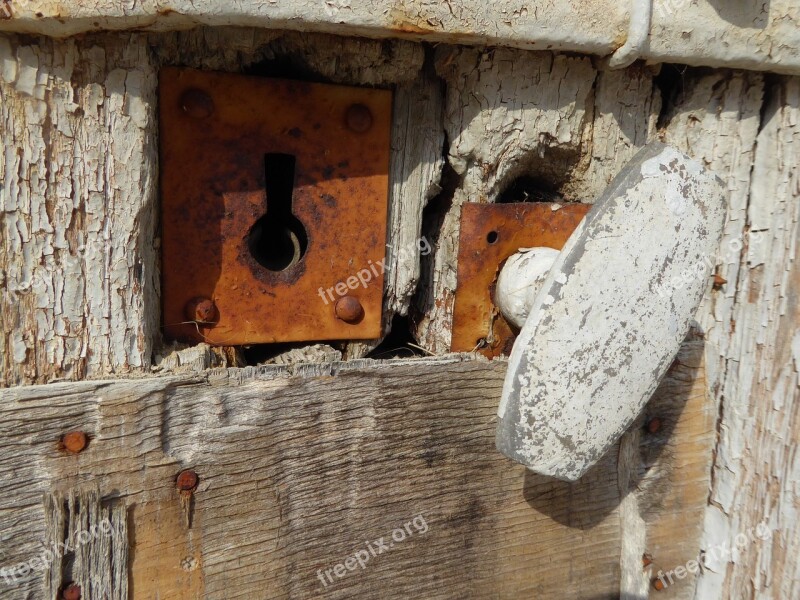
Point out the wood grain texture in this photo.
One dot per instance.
(753, 333)
(89, 544)
(301, 467)
(668, 471)
(500, 123)
(79, 266)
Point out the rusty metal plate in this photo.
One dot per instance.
(490, 233)
(274, 206)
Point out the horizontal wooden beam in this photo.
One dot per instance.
(753, 35)
(301, 468)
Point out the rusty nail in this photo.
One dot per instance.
(187, 480)
(197, 104)
(359, 118)
(349, 309)
(658, 585)
(74, 441)
(654, 425)
(647, 559)
(719, 281)
(71, 592)
(201, 310)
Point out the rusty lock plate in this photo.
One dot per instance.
(490, 234)
(273, 192)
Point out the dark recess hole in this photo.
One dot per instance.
(492, 237)
(284, 67)
(670, 81)
(530, 189)
(278, 240)
(399, 343)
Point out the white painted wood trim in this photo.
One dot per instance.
(758, 36)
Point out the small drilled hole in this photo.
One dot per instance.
(492, 237)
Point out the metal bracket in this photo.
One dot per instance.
(489, 234)
(274, 208)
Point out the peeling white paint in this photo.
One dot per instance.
(753, 35)
(606, 335)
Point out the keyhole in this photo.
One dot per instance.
(278, 240)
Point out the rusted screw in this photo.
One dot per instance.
(719, 281)
(647, 560)
(197, 104)
(187, 481)
(201, 310)
(71, 592)
(349, 309)
(359, 118)
(658, 585)
(74, 441)
(654, 425)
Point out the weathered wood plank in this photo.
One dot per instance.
(79, 267)
(702, 32)
(719, 117)
(299, 468)
(756, 472)
(89, 545)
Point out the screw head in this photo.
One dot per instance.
(197, 104)
(74, 441)
(71, 592)
(654, 425)
(187, 480)
(349, 309)
(202, 310)
(658, 585)
(359, 118)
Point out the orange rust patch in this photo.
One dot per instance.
(405, 23)
(490, 234)
(332, 143)
(74, 442)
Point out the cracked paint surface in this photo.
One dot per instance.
(602, 331)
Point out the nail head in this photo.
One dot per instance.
(654, 425)
(74, 441)
(359, 118)
(187, 480)
(349, 309)
(202, 310)
(197, 104)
